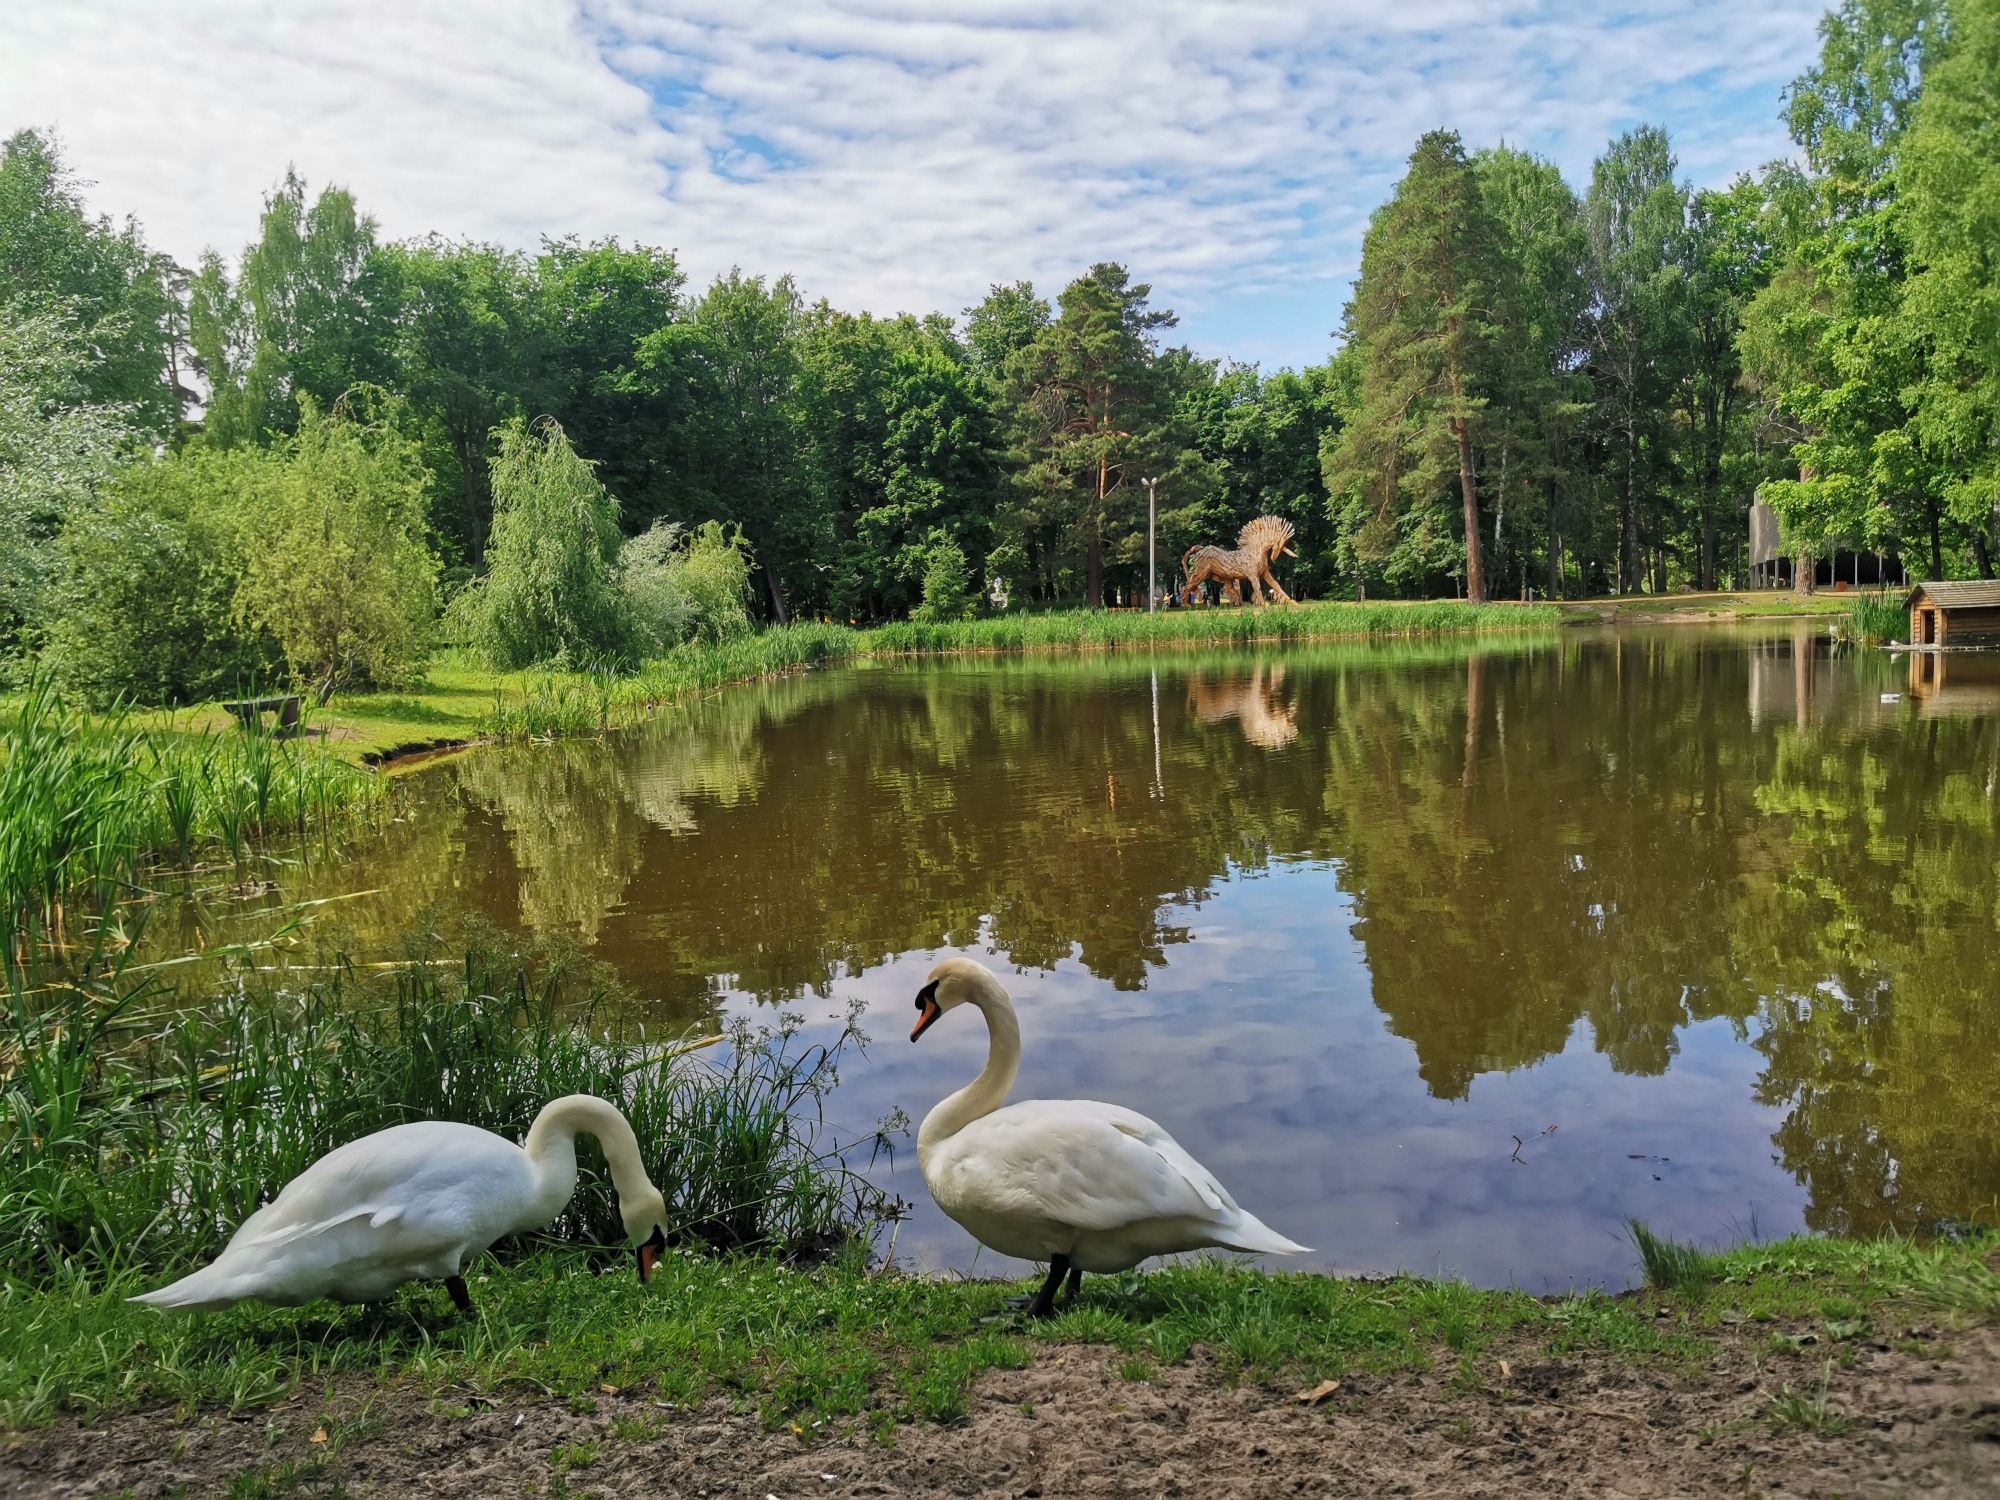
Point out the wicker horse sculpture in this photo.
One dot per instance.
(1258, 545)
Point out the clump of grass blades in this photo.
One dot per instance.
(1672, 1266)
(1878, 617)
(88, 803)
(1810, 1412)
(144, 1125)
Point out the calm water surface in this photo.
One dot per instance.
(1440, 956)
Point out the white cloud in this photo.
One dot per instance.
(895, 156)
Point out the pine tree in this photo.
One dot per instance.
(1428, 319)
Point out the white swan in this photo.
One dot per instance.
(417, 1202)
(1082, 1185)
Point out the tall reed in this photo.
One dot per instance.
(142, 1125)
(90, 804)
(1879, 617)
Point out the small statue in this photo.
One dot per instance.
(1258, 545)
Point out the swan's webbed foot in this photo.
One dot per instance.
(460, 1297)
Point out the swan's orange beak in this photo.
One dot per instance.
(649, 1254)
(927, 1003)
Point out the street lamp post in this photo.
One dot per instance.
(1152, 523)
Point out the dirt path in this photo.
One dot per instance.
(1072, 1425)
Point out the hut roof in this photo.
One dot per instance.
(1971, 593)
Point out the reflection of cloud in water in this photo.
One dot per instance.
(1266, 719)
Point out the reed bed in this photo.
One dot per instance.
(142, 1125)
(1879, 617)
(553, 704)
(1079, 630)
(91, 804)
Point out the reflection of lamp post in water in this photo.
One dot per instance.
(1152, 520)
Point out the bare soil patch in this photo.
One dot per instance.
(1921, 1416)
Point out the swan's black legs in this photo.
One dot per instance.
(1071, 1285)
(456, 1286)
(1044, 1302)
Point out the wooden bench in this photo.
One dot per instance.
(250, 714)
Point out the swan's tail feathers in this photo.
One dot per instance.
(208, 1290)
(1253, 1234)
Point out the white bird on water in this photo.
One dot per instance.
(1083, 1185)
(418, 1202)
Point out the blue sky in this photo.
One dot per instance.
(892, 156)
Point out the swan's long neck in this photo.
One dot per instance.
(551, 1147)
(988, 1091)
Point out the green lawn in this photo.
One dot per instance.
(841, 1347)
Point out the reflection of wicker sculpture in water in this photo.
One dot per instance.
(1258, 545)
(1266, 719)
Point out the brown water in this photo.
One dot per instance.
(1440, 956)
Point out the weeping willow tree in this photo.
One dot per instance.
(552, 594)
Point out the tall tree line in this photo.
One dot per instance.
(1540, 386)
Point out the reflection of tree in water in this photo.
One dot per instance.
(1252, 699)
(1638, 833)
(1536, 839)
(1875, 927)
(573, 835)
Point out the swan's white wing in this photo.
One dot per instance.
(432, 1183)
(1081, 1163)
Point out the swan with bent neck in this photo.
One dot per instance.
(418, 1202)
(1082, 1185)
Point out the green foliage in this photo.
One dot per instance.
(144, 606)
(550, 595)
(679, 590)
(129, 1146)
(116, 298)
(301, 319)
(335, 568)
(947, 593)
(1092, 408)
(57, 447)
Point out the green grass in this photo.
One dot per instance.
(141, 1125)
(842, 1347)
(1670, 1265)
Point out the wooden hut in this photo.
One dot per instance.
(1956, 614)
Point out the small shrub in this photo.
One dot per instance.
(679, 590)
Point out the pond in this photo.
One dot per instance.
(1442, 956)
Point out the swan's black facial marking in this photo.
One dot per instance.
(649, 1253)
(927, 1004)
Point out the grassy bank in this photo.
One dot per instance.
(460, 702)
(143, 1123)
(1747, 604)
(838, 1347)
